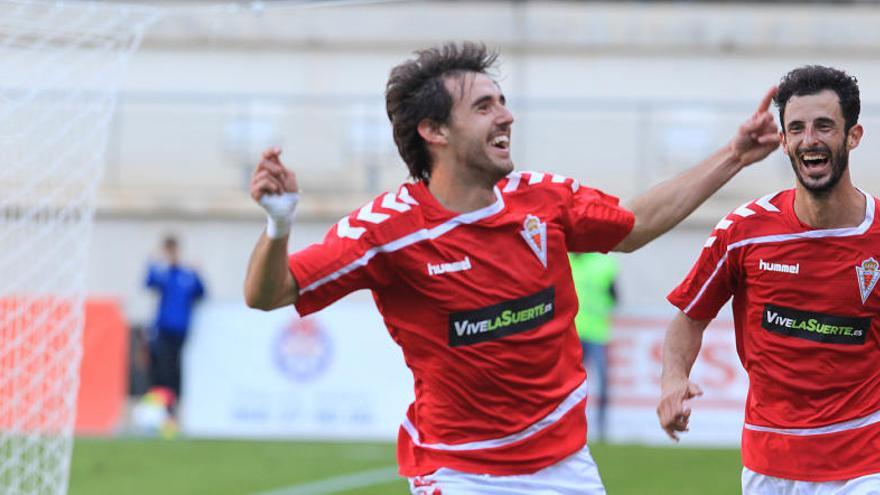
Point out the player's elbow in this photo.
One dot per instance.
(269, 300)
(646, 228)
(632, 242)
(253, 302)
(626, 246)
(256, 300)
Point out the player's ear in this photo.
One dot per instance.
(432, 131)
(782, 142)
(854, 136)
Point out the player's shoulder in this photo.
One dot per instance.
(874, 202)
(872, 210)
(386, 217)
(525, 182)
(756, 218)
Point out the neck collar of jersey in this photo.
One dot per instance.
(858, 230)
(432, 206)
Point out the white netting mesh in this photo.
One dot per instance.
(61, 64)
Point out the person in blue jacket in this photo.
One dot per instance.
(179, 288)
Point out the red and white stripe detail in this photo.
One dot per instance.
(852, 424)
(764, 202)
(390, 202)
(535, 178)
(405, 196)
(810, 234)
(344, 229)
(514, 179)
(367, 213)
(512, 182)
(577, 396)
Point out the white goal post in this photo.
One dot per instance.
(61, 64)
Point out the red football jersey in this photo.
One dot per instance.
(805, 309)
(482, 305)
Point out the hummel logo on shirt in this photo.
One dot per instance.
(779, 267)
(455, 266)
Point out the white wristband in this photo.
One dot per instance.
(280, 210)
(276, 228)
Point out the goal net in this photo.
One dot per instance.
(61, 65)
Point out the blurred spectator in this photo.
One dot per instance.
(594, 277)
(179, 287)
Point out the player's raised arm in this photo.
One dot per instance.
(269, 283)
(668, 203)
(680, 348)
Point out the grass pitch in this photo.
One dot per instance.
(194, 467)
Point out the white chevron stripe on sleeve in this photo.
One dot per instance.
(366, 214)
(512, 182)
(406, 197)
(765, 203)
(723, 224)
(390, 201)
(344, 229)
(742, 211)
(535, 177)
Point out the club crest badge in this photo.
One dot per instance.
(535, 233)
(868, 274)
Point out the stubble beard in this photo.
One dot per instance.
(482, 164)
(839, 164)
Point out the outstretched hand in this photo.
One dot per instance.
(672, 411)
(272, 177)
(758, 136)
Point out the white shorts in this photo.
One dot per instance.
(760, 484)
(577, 474)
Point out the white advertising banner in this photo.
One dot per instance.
(336, 374)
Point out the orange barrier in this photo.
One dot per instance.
(103, 374)
(37, 353)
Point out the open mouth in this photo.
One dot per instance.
(815, 159)
(501, 142)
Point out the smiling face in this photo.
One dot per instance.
(816, 141)
(478, 131)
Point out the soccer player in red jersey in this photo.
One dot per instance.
(802, 268)
(468, 266)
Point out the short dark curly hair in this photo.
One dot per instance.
(812, 79)
(416, 91)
